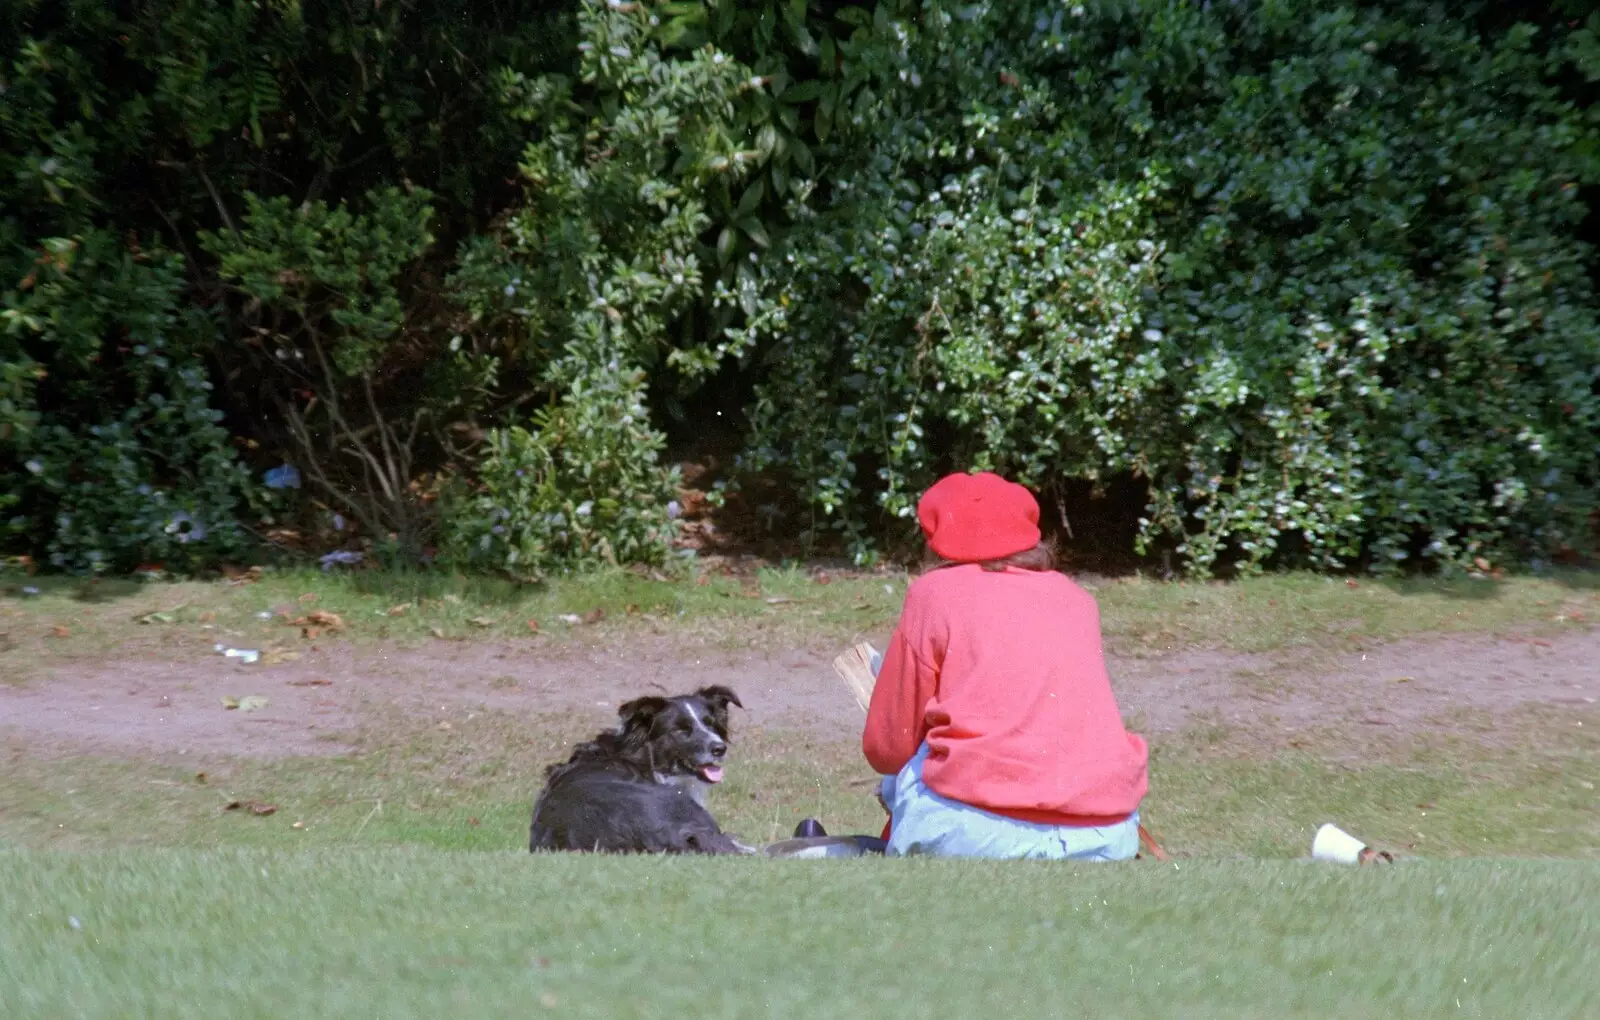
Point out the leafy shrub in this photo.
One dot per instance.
(582, 488)
(324, 296)
(129, 468)
(126, 131)
(1309, 270)
(599, 267)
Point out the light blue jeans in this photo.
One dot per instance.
(924, 823)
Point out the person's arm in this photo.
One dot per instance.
(895, 717)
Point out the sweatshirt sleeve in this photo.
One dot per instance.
(895, 717)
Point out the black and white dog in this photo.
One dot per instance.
(640, 788)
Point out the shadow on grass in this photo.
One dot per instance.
(416, 585)
(1471, 589)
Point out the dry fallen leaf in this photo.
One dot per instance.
(444, 725)
(399, 610)
(482, 621)
(200, 777)
(1351, 582)
(594, 615)
(308, 598)
(1480, 563)
(274, 656)
(230, 703)
(60, 631)
(533, 625)
(255, 807)
(310, 683)
(322, 618)
(633, 609)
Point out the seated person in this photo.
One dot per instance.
(993, 721)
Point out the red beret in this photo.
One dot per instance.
(973, 518)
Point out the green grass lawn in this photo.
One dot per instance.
(1211, 795)
(343, 933)
(391, 880)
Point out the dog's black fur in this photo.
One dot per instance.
(640, 787)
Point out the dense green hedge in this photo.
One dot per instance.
(127, 130)
(1310, 271)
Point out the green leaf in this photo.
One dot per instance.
(755, 230)
(751, 199)
(726, 240)
(803, 92)
(801, 154)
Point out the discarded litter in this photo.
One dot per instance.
(1337, 846)
(244, 655)
(29, 590)
(342, 556)
(253, 703)
(570, 618)
(284, 477)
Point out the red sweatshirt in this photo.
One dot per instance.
(1002, 673)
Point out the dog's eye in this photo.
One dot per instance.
(684, 726)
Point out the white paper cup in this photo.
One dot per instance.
(1336, 845)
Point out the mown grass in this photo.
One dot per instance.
(1213, 793)
(72, 622)
(339, 933)
(392, 880)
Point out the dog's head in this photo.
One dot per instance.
(686, 735)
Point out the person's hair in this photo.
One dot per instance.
(1041, 557)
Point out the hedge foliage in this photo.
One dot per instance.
(1311, 271)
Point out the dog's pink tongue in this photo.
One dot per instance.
(711, 773)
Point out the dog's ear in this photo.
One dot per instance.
(719, 697)
(640, 713)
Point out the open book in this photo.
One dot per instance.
(859, 667)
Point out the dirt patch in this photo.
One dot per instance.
(178, 706)
(1407, 685)
(171, 705)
